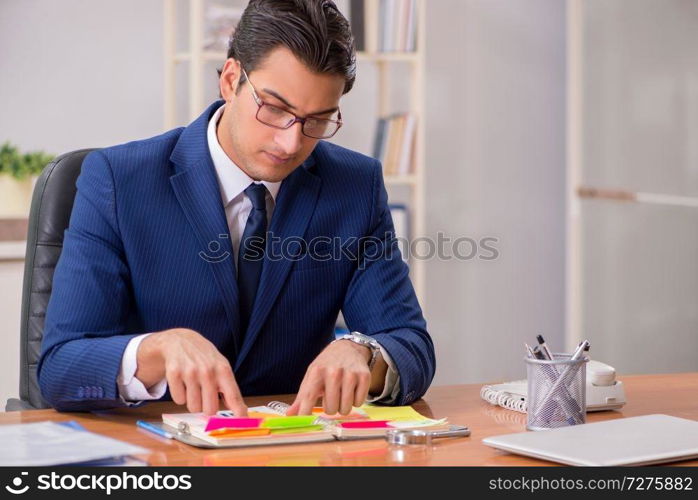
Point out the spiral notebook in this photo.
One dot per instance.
(269, 425)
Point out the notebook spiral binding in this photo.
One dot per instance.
(504, 399)
(278, 407)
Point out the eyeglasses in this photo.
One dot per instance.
(274, 116)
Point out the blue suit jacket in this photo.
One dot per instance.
(148, 249)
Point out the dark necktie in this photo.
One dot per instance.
(251, 253)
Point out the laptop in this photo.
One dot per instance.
(650, 439)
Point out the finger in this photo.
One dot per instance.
(176, 386)
(295, 406)
(308, 395)
(293, 409)
(209, 393)
(193, 394)
(231, 393)
(307, 405)
(349, 383)
(361, 391)
(333, 384)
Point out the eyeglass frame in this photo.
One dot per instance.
(296, 119)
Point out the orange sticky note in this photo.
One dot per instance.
(239, 432)
(259, 414)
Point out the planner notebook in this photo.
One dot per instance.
(269, 425)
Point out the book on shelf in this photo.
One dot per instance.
(401, 222)
(397, 128)
(411, 37)
(394, 143)
(269, 425)
(384, 25)
(358, 26)
(221, 21)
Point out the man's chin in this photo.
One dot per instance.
(272, 174)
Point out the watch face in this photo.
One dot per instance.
(363, 337)
(369, 340)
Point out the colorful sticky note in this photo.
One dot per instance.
(392, 412)
(297, 430)
(232, 423)
(259, 414)
(226, 433)
(365, 424)
(289, 422)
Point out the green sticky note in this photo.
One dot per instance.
(289, 422)
(297, 430)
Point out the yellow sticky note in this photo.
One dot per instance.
(392, 413)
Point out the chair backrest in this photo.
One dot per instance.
(52, 203)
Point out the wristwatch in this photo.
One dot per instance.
(366, 341)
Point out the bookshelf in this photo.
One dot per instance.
(196, 58)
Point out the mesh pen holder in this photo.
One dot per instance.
(556, 393)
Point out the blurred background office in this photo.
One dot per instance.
(565, 133)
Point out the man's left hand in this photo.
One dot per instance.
(340, 376)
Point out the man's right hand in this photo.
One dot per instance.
(195, 370)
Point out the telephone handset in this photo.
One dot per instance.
(603, 391)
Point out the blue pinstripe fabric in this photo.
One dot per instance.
(131, 263)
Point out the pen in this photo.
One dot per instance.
(529, 351)
(538, 353)
(581, 348)
(544, 347)
(154, 429)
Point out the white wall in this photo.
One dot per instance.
(639, 290)
(80, 73)
(495, 136)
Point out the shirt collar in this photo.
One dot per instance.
(231, 179)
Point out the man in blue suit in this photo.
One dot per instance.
(213, 260)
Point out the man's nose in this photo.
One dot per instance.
(291, 139)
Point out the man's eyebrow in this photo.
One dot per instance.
(291, 106)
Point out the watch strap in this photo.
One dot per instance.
(364, 340)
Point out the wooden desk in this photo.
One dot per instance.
(673, 394)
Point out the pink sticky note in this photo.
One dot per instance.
(232, 423)
(365, 424)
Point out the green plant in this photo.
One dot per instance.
(21, 166)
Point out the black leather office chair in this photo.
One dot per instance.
(49, 215)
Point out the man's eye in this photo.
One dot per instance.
(276, 111)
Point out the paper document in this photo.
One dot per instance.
(48, 443)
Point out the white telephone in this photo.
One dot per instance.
(603, 391)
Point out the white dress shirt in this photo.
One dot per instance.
(232, 182)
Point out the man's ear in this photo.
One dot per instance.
(230, 78)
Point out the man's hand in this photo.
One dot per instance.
(195, 370)
(339, 375)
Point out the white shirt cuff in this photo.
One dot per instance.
(131, 390)
(391, 387)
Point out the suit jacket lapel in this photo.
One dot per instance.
(295, 205)
(196, 186)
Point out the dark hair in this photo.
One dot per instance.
(313, 30)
